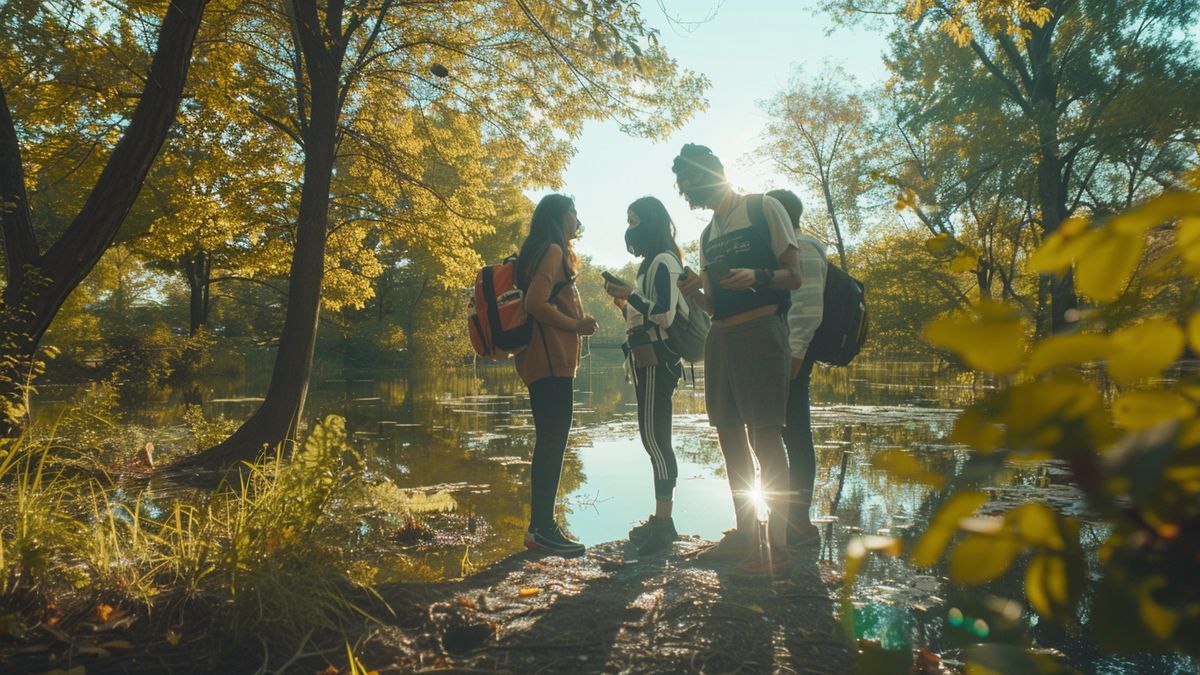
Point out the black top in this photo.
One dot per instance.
(750, 248)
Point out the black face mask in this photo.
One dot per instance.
(633, 240)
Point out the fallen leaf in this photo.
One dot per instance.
(528, 592)
(117, 644)
(173, 638)
(103, 612)
(757, 609)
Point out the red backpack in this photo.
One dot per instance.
(496, 317)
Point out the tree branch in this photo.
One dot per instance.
(20, 242)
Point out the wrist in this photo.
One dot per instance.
(763, 278)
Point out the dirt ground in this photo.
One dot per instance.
(608, 612)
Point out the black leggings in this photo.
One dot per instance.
(798, 437)
(655, 386)
(553, 405)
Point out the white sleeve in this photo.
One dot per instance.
(779, 224)
(808, 301)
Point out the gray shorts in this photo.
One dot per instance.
(746, 371)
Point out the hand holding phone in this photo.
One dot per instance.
(612, 279)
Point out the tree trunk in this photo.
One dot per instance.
(1052, 178)
(276, 420)
(198, 268)
(38, 284)
(837, 228)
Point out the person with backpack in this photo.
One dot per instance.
(749, 263)
(650, 307)
(804, 317)
(546, 267)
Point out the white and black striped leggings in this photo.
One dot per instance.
(655, 386)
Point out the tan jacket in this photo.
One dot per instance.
(553, 350)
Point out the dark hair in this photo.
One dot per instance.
(545, 228)
(693, 157)
(791, 204)
(655, 232)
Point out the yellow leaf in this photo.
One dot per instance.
(1138, 410)
(1193, 332)
(1159, 210)
(905, 466)
(939, 245)
(989, 337)
(975, 428)
(1059, 250)
(528, 592)
(979, 558)
(1037, 524)
(1160, 620)
(966, 261)
(1066, 350)
(173, 638)
(1103, 269)
(1144, 350)
(103, 612)
(756, 609)
(943, 526)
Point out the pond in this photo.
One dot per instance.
(459, 440)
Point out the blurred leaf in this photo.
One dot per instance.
(943, 526)
(967, 260)
(1066, 350)
(1053, 584)
(905, 466)
(1138, 410)
(941, 245)
(979, 558)
(1059, 250)
(1037, 524)
(989, 337)
(1161, 621)
(1144, 350)
(975, 428)
(986, 659)
(1104, 268)
(1157, 211)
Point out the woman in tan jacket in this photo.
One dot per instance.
(546, 269)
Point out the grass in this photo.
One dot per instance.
(261, 565)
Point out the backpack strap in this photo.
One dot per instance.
(754, 209)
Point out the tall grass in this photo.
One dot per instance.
(264, 558)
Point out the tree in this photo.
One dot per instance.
(820, 132)
(39, 280)
(528, 75)
(1073, 78)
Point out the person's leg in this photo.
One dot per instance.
(666, 473)
(739, 467)
(798, 438)
(773, 480)
(552, 402)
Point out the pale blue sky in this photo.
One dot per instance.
(749, 51)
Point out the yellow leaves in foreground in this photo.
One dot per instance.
(989, 336)
(1105, 257)
(1138, 410)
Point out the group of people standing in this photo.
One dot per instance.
(761, 280)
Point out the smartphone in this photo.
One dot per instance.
(612, 279)
(718, 269)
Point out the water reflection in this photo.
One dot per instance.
(458, 441)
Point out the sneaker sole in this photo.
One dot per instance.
(542, 548)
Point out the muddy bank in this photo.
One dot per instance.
(609, 612)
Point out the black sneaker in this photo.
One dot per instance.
(553, 540)
(643, 529)
(659, 536)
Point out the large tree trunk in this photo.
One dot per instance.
(38, 284)
(275, 421)
(1052, 176)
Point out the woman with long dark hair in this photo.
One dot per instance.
(546, 270)
(650, 306)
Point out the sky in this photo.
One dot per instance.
(749, 50)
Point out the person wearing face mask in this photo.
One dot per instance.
(546, 270)
(749, 263)
(649, 307)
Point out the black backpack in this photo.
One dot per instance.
(843, 328)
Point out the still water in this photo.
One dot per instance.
(459, 440)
